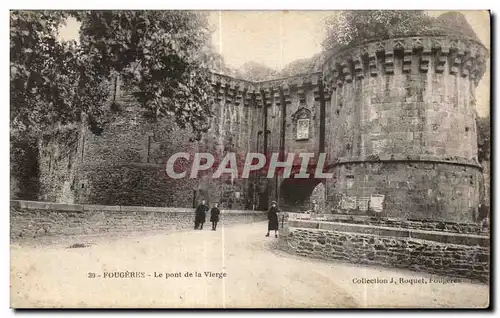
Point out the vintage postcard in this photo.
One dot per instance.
(250, 159)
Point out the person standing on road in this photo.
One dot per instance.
(200, 215)
(214, 216)
(272, 216)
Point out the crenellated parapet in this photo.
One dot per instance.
(265, 93)
(232, 90)
(456, 55)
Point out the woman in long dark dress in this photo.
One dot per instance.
(272, 216)
(214, 216)
(200, 215)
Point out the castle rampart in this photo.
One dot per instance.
(394, 116)
(402, 124)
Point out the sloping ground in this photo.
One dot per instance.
(52, 275)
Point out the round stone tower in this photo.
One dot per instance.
(401, 131)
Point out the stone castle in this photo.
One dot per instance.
(395, 117)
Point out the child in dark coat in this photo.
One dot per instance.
(214, 216)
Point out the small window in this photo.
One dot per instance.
(302, 129)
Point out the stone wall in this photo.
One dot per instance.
(411, 189)
(24, 169)
(394, 116)
(123, 164)
(58, 162)
(427, 225)
(234, 128)
(302, 103)
(401, 123)
(30, 219)
(450, 254)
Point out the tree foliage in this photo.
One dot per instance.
(303, 66)
(356, 26)
(50, 81)
(256, 72)
(51, 84)
(218, 65)
(162, 56)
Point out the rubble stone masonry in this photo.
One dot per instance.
(32, 219)
(401, 123)
(435, 252)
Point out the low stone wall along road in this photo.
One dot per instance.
(236, 266)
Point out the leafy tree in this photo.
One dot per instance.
(218, 64)
(161, 56)
(348, 27)
(50, 85)
(254, 71)
(303, 66)
(356, 26)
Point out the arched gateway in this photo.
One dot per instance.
(298, 194)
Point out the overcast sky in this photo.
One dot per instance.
(275, 38)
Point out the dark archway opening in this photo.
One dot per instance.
(296, 194)
(24, 169)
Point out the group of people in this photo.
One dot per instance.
(201, 216)
(202, 209)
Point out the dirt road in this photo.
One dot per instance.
(257, 275)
